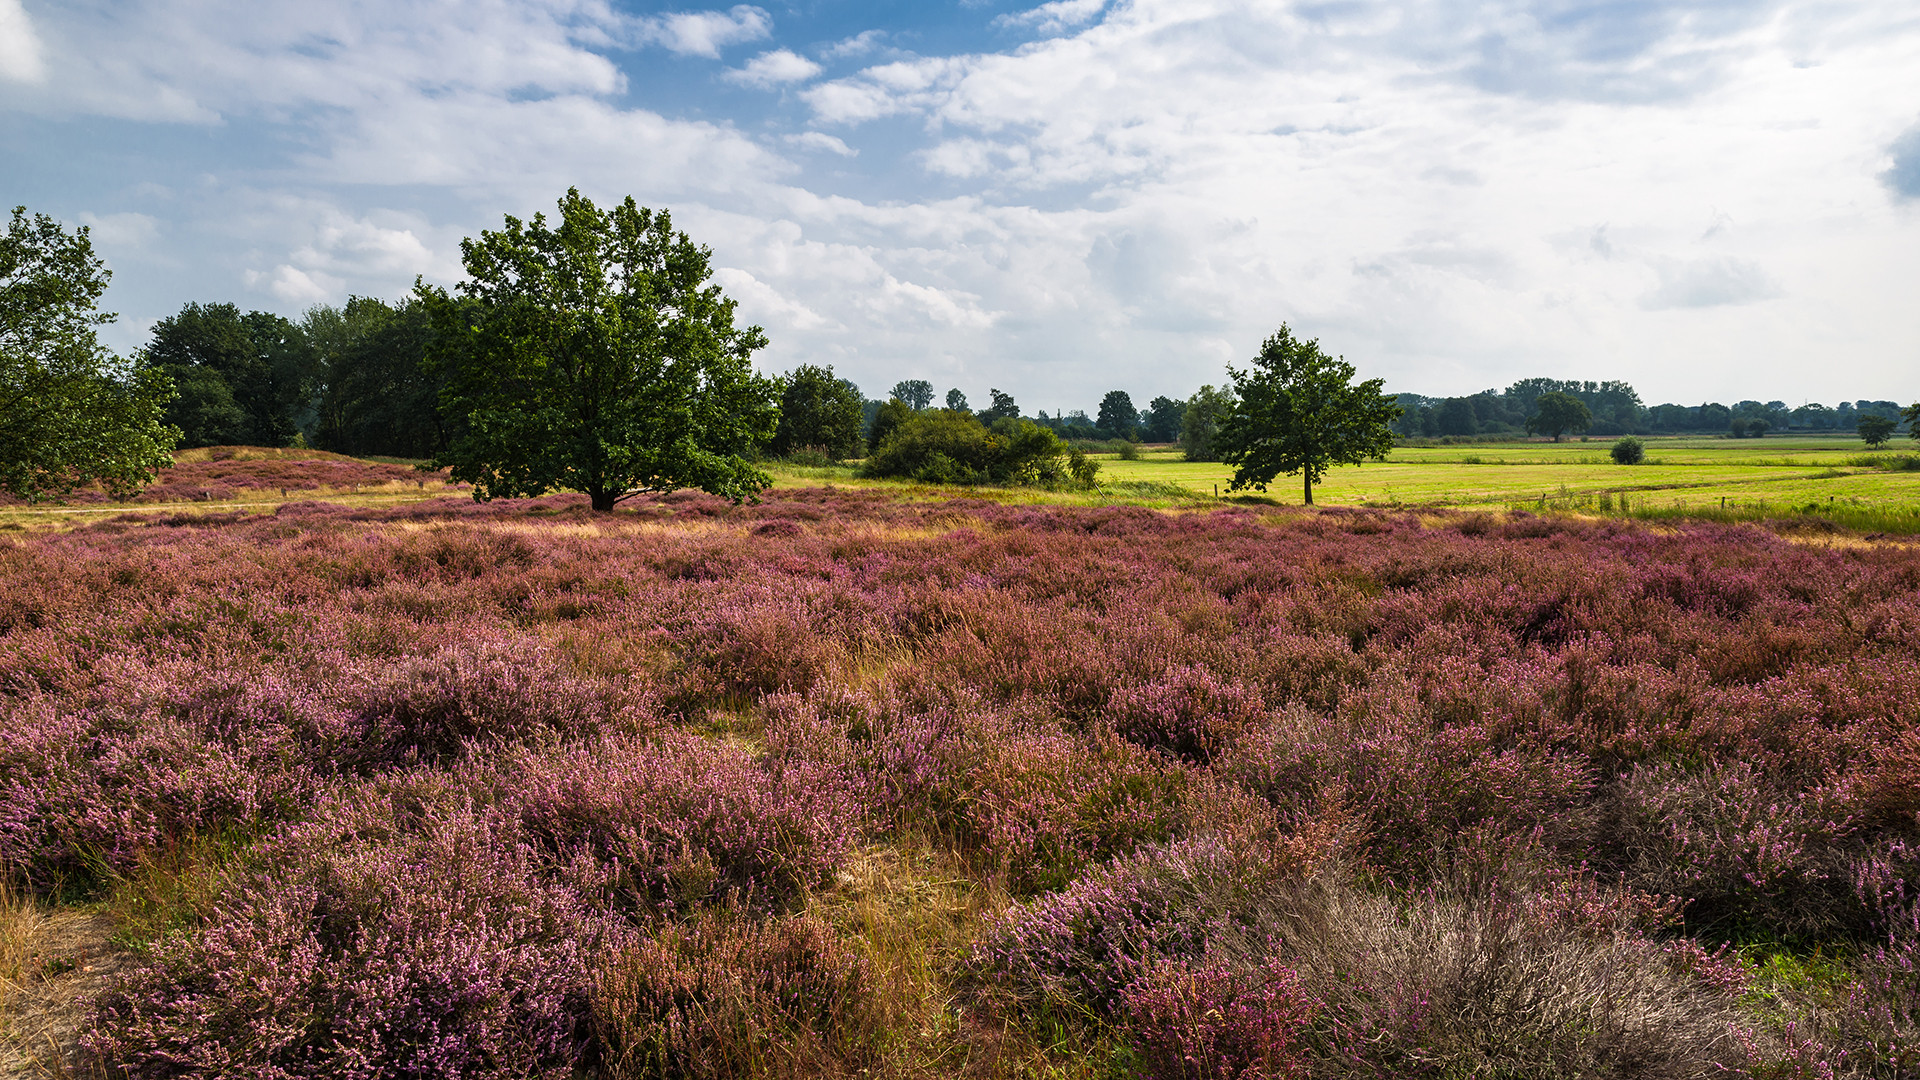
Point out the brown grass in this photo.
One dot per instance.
(51, 963)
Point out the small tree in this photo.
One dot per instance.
(1556, 414)
(1628, 450)
(1117, 417)
(1200, 423)
(595, 356)
(818, 410)
(1300, 413)
(957, 401)
(70, 412)
(1875, 430)
(1911, 414)
(917, 393)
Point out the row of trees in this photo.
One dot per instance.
(595, 355)
(1615, 408)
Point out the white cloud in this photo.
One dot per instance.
(820, 140)
(705, 33)
(1056, 17)
(19, 46)
(776, 68)
(859, 44)
(295, 286)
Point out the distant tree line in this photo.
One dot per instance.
(596, 356)
(1616, 409)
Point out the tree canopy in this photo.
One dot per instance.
(917, 393)
(595, 356)
(1875, 430)
(820, 411)
(1200, 423)
(70, 411)
(1300, 412)
(1003, 407)
(1117, 417)
(242, 378)
(1556, 413)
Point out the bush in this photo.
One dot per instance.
(1628, 450)
(948, 446)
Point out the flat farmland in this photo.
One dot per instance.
(1678, 473)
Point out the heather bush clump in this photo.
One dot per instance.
(683, 822)
(381, 940)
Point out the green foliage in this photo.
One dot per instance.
(917, 393)
(1628, 450)
(1299, 412)
(1556, 413)
(1117, 417)
(70, 412)
(1161, 422)
(242, 378)
(1002, 408)
(1200, 423)
(957, 401)
(1875, 430)
(1911, 415)
(595, 356)
(820, 411)
(946, 446)
(891, 415)
(377, 397)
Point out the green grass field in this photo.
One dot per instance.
(1679, 475)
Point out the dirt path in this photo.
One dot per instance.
(70, 957)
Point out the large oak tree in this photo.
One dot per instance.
(595, 355)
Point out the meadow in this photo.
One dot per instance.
(1680, 475)
(876, 782)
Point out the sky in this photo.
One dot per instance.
(1710, 199)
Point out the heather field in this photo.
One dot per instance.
(846, 783)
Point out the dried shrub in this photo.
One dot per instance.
(725, 997)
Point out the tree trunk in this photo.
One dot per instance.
(602, 500)
(1309, 477)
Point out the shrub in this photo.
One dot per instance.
(1628, 450)
(1216, 1020)
(725, 997)
(947, 446)
(375, 942)
(682, 823)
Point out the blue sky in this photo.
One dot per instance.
(1711, 199)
